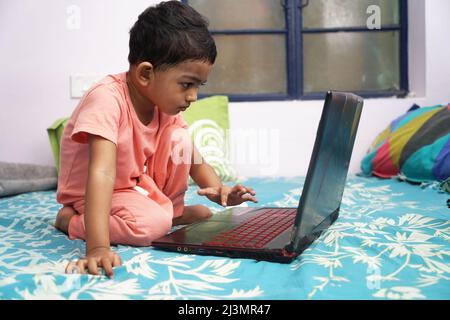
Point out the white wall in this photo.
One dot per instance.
(40, 47)
(39, 50)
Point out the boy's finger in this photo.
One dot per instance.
(241, 190)
(223, 197)
(237, 188)
(202, 191)
(207, 191)
(92, 266)
(244, 192)
(81, 265)
(251, 191)
(249, 197)
(106, 264)
(72, 268)
(117, 261)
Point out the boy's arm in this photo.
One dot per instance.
(202, 173)
(99, 189)
(211, 186)
(101, 178)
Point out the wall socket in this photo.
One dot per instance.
(80, 83)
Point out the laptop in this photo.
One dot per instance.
(281, 234)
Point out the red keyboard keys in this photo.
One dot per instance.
(257, 231)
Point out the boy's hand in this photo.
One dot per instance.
(97, 257)
(227, 196)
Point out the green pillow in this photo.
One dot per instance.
(55, 132)
(208, 127)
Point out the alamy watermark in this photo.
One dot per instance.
(373, 277)
(253, 147)
(73, 21)
(373, 22)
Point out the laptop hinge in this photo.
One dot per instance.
(290, 247)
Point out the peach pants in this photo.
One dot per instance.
(142, 214)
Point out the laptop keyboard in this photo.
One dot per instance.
(257, 231)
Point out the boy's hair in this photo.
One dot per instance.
(170, 33)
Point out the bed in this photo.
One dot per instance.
(391, 241)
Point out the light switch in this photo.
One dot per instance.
(80, 83)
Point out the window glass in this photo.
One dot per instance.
(352, 61)
(347, 13)
(249, 64)
(241, 14)
(253, 36)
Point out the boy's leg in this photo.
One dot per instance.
(169, 167)
(192, 214)
(135, 219)
(63, 218)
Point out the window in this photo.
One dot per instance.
(299, 49)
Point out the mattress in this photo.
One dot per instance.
(391, 241)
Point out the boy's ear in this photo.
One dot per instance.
(144, 72)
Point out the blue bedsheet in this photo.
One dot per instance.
(391, 241)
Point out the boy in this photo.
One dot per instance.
(119, 181)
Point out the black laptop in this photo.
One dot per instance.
(281, 234)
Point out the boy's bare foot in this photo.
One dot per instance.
(192, 214)
(63, 218)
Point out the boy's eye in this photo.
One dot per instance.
(187, 85)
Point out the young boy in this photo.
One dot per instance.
(121, 181)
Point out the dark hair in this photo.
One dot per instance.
(170, 33)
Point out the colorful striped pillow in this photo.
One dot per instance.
(415, 146)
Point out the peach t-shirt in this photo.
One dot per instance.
(106, 110)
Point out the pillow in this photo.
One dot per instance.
(415, 147)
(55, 132)
(16, 178)
(208, 127)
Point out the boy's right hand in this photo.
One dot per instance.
(98, 257)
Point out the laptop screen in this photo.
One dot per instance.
(327, 172)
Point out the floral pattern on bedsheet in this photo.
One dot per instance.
(391, 241)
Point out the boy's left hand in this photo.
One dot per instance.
(229, 196)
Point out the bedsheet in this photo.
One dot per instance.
(391, 241)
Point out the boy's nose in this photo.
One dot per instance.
(192, 97)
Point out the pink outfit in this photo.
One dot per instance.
(150, 178)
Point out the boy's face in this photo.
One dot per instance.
(174, 89)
